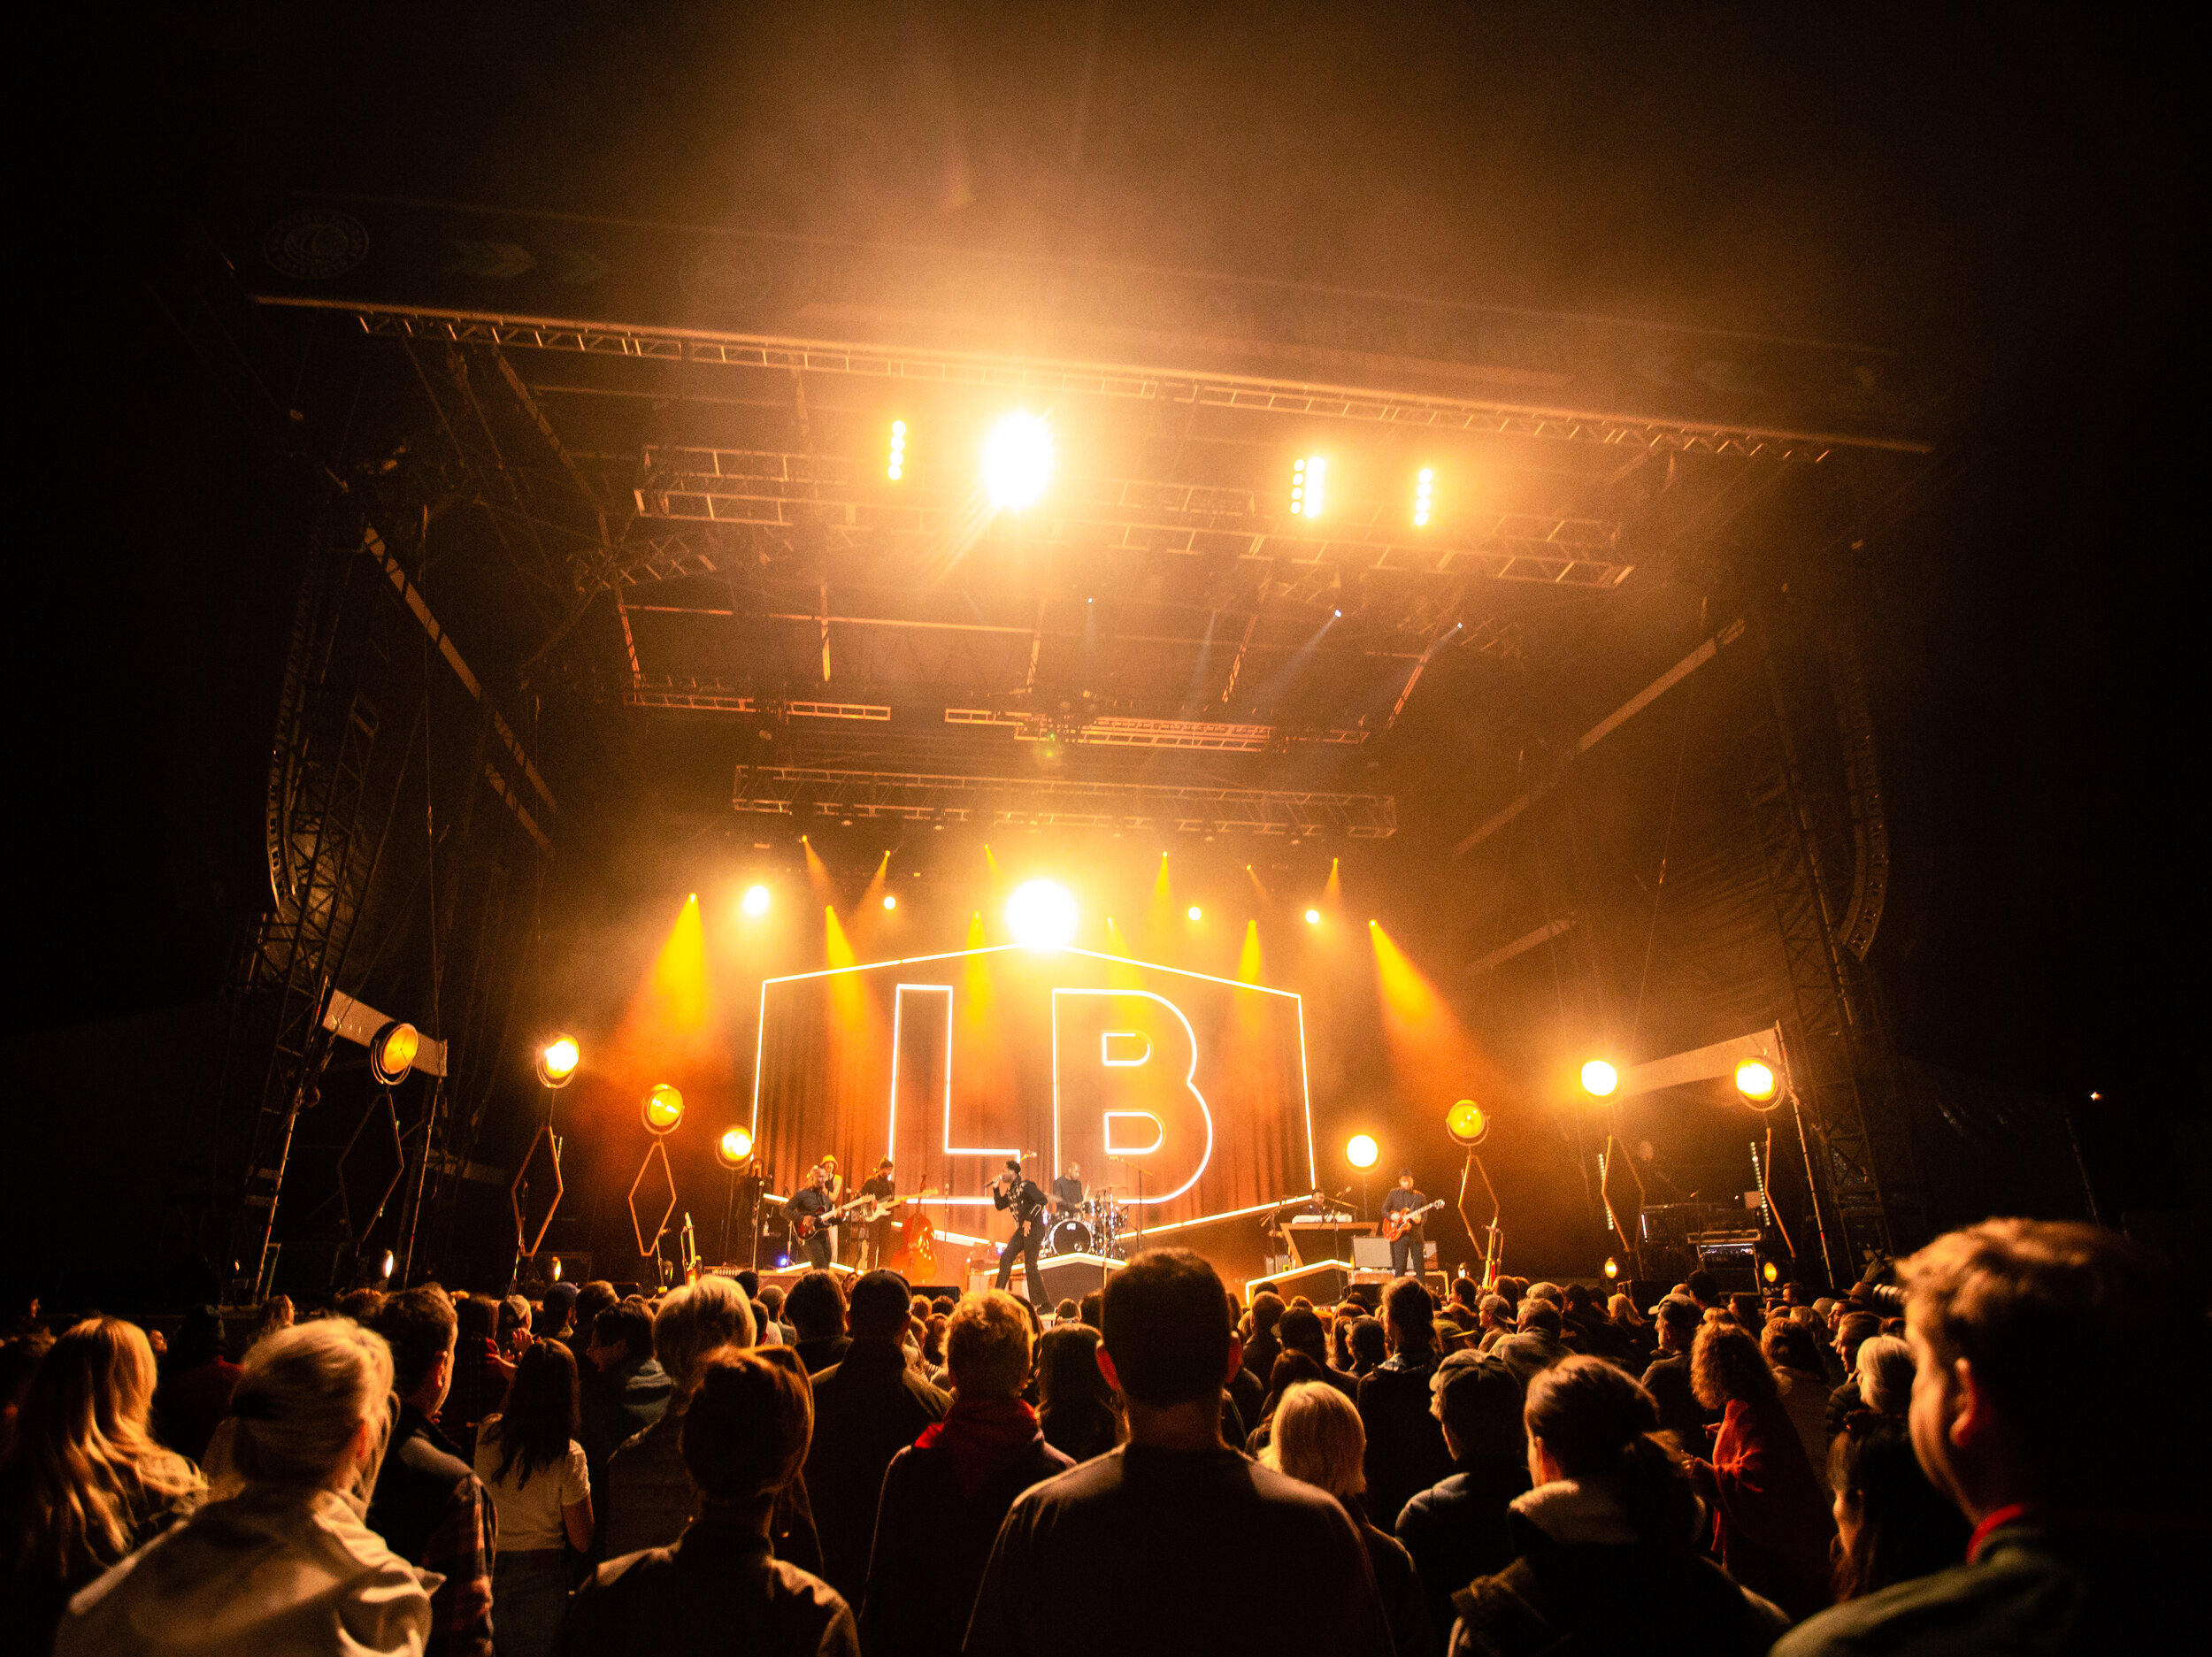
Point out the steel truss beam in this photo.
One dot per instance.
(784, 491)
(986, 372)
(797, 790)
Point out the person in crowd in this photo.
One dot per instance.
(529, 1459)
(1537, 1344)
(770, 1301)
(1456, 1529)
(1703, 1288)
(1265, 1346)
(1891, 1524)
(1585, 1327)
(867, 1408)
(1405, 1445)
(515, 1331)
(1370, 1345)
(815, 1308)
(1636, 1329)
(480, 1372)
(719, 1586)
(1300, 1330)
(1293, 1368)
(2085, 1496)
(429, 1506)
(1174, 1531)
(1318, 1440)
(1093, 1308)
(1607, 1539)
(625, 1388)
(361, 1304)
(277, 1312)
(1884, 1374)
(281, 1565)
(1854, 1330)
(1080, 1416)
(20, 1358)
(1247, 1387)
(1667, 1379)
(196, 1381)
(645, 1494)
(1790, 1354)
(591, 1300)
(85, 1481)
(1494, 1321)
(945, 1495)
(559, 1321)
(1771, 1524)
(1748, 1314)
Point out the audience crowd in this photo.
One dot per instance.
(1985, 1446)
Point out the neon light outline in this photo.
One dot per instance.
(1159, 1134)
(1190, 1081)
(1106, 1057)
(1305, 1083)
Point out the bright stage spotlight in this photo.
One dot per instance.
(1599, 1079)
(1362, 1151)
(1040, 914)
(392, 1052)
(1308, 475)
(1313, 918)
(1467, 1122)
(734, 1148)
(756, 902)
(384, 1268)
(557, 1061)
(1423, 493)
(1612, 1268)
(1755, 1080)
(663, 1109)
(889, 902)
(1195, 913)
(896, 468)
(1017, 462)
(1770, 1271)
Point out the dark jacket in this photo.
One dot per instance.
(943, 1501)
(716, 1590)
(821, 1353)
(1400, 1588)
(1460, 1529)
(1260, 1355)
(1405, 1445)
(646, 1499)
(432, 1511)
(2027, 1588)
(1583, 1583)
(866, 1410)
(480, 1379)
(617, 1405)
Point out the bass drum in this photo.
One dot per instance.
(1069, 1237)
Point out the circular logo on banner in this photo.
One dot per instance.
(315, 244)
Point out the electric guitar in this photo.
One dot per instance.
(1398, 1222)
(807, 1224)
(868, 1210)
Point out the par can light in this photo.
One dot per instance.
(392, 1052)
(1467, 1122)
(1362, 1151)
(734, 1148)
(1755, 1080)
(557, 1060)
(1599, 1079)
(662, 1108)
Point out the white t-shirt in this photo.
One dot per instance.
(530, 1514)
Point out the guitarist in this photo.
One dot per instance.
(875, 1235)
(813, 1202)
(1015, 1191)
(1409, 1253)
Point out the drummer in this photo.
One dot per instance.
(1067, 1191)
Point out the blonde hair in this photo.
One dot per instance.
(694, 1320)
(303, 1393)
(85, 1471)
(987, 1345)
(1318, 1440)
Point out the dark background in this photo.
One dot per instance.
(2005, 205)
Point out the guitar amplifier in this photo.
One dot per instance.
(1371, 1254)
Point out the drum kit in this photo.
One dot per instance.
(1098, 1228)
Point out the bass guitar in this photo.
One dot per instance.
(1398, 1222)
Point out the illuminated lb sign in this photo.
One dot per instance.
(1124, 1088)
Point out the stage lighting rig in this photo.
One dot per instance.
(1362, 1151)
(889, 902)
(1599, 1078)
(662, 1108)
(392, 1052)
(734, 1148)
(1309, 478)
(756, 901)
(1423, 497)
(1313, 918)
(557, 1061)
(1195, 913)
(896, 468)
(1467, 1122)
(1018, 462)
(1756, 1081)
(1040, 914)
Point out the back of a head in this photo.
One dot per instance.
(1597, 1424)
(418, 1325)
(1542, 1315)
(815, 1306)
(1905, 1529)
(697, 1319)
(302, 1394)
(624, 1321)
(1371, 1343)
(1164, 1327)
(1318, 1439)
(475, 1315)
(1408, 1310)
(1067, 1368)
(539, 1416)
(747, 1430)
(593, 1299)
(1703, 1286)
(1885, 1371)
(1093, 1308)
(560, 1305)
(1497, 1308)
(1467, 1292)
(1300, 1330)
(1725, 1363)
(1545, 1292)
(881, 1307)
(987, 1345)
(1295, 1369)
(1479, 1400)
(1579, 1297)
(1856, 1329)
(2001, 1294)
(770, 1298)
(1267, 1311)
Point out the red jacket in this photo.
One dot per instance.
(1773, 1522)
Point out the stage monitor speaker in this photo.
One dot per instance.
(1371, 1254)
(1324, 1283)
(1065, 1278)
